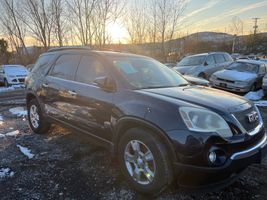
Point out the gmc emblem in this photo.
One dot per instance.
(253, 117)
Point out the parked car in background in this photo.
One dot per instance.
(161, 128)
(196, 80)
(240, 76)
(264, 84)
(203, 65)
(13, 75)
(170, 65)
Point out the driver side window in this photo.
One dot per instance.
(210, 60)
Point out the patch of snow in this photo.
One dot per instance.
(5, 89)
(25, 151)
(12, 133)
(2, 135)
(19, 111)
(261, 103)
(6, 172)
(255, 96)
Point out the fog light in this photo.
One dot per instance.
(212, 157)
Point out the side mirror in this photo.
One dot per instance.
(205, 63)
(105, 83)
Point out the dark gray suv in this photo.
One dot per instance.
(160, 127)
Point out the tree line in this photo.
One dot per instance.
(84, 22)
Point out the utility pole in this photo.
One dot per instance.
(255, 24)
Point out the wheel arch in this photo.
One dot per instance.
(131, 122)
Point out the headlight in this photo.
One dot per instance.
(202, 120)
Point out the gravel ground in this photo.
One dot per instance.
(67, 166)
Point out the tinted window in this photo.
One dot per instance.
(192, 60)
(147, 73)
(244, 67)
(89, 69)
(66, 66)
(228, 58)
(219, 58)
(210, 60)
(42, 62)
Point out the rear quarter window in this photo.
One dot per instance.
(219, 58)
(228, 58)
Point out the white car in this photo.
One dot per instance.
(13, 74)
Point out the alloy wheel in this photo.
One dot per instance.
(139, 162)
(34, 116)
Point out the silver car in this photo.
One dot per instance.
(203, 65)
(240, 76)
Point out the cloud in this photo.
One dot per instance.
(208, 5)
(239, 10)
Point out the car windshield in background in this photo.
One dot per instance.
(244, 67)
(192, 61)
(146, 73)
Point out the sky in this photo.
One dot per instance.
(216, 15)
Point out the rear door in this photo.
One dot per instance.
(211, 65)
(220, 62)
(94, 105)
(59, 95)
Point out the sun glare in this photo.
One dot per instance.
(117, 32)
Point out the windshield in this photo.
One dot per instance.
(15, 69)
(144, 73)
(192, 61)
(244, 67)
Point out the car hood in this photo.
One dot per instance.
(16, 71)
(234, 75)
(213, 99)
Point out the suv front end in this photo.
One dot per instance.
(216, 157)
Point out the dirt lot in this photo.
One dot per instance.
(67, 166)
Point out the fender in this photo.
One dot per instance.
(130, 121)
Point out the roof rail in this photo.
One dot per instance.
(216, 52)
(69, 48)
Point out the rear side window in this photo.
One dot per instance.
(219, 58)
(89, 69)
(42, 63)
(65, 66)
(228, 58)
(210, 60)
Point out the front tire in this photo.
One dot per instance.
(144, 161)
(37, 120)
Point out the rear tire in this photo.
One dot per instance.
(202, 75)
(37, 120)
(148, 170)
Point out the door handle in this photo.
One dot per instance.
(45, 85)
(72, 93)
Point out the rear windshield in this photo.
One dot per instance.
(192, 60)
(244, 67)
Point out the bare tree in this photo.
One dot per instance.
(81, 19)
(59, 22)
(12, 24)
(107, 11)
(39, 20)
(236, 26)
(136, 22)
(166, 14)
